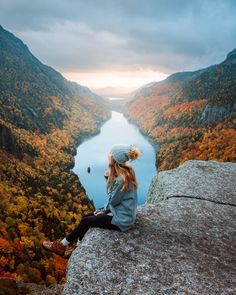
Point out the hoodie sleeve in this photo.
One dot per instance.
(106, 208)
(115, 194)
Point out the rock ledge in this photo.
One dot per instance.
(178, 246)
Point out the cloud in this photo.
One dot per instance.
(119, 35)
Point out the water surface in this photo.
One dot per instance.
(94, 152)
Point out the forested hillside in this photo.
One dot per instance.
(190, 114)
(43, 117)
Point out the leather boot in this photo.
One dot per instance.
(55, 246)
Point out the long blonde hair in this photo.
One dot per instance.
(125, 171)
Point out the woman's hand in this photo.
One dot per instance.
(96, 213)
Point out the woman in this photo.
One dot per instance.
(119, 212)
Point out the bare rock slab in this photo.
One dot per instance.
(210, 180)
(183, 246)
(179, 245)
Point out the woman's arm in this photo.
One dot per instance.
(115, 197)
(115, 194)
(103, 210)
(99, 209)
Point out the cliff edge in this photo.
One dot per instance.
(183, 241)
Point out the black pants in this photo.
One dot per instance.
(90, 220)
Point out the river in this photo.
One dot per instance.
(94, 151)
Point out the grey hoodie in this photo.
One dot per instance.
(122, 205)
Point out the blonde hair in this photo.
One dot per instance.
(125, 171)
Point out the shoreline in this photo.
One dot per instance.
(155, 145)
(149, 139)
(84, 137)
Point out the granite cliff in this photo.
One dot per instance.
(183, 241)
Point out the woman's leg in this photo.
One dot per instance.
(88, 214)
(102, 221)
(89, 220)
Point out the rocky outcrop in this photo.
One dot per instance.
(215, 113)
(209, 180)
(183, 241)
(13, 145)
(8, 141)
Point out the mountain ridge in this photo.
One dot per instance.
(43, 118)
(32, 78)
(191, 115)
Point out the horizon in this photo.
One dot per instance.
(120, 80)
(123, 45)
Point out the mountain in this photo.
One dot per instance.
(117, 103)
(118, 92)
(31, 87)
(191, 115)
(142, 90)
(121, 92)
(86, 91)
(217, 83)
(43, 117)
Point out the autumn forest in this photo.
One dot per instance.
(191, 115)
(43, 119)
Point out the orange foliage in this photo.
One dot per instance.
(174, 124)
(5, 246)
(40, 197)
(218, 145)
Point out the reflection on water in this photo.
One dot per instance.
(92, 158)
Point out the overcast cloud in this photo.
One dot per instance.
(109, 35)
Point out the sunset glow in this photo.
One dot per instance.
(115, 79)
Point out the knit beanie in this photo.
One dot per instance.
(122, 153)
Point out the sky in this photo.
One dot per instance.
(123, 43)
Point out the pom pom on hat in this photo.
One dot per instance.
(134, 153)
(124, 152)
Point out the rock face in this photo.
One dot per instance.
(216, 113)
(183, 241)
(8, 141)
(209, 180)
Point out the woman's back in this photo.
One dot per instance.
(122, 204)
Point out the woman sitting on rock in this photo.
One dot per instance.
(119, 212)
